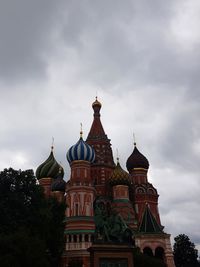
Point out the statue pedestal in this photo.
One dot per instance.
(108, 254)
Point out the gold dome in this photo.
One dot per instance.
(119, 176)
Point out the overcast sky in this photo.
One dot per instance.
(141, 57)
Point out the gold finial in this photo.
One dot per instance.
(117, 155)
(52, 144)
(134, 139)
(81, 132)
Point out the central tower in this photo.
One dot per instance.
(103, 165)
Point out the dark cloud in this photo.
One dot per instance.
(26, 29)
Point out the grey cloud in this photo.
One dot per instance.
(115, 44)
(26, 28)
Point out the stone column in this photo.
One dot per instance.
(83, 237)
(89, 238)
(168, 253)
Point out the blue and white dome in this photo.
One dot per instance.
(81, 151)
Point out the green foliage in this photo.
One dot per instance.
(142, 260)
(20, 249)
(20, 200)
(31, 228)
(185, 254)
(55, 230)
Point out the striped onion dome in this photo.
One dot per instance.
(81, 151)
(49, 168)
(119, 176)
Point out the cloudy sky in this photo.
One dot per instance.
(141, 57)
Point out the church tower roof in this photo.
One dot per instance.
(99, 140)
(149, 223)
(96, 130)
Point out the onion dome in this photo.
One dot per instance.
(136, 160)
(81, 151)
(59, 184)
(119, 176)
(49, 168)
(96, 103)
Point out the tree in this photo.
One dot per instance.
(30, 224)
(185, 254)
(20, 249)
(55, 230)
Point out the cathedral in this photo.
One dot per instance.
(95, 176)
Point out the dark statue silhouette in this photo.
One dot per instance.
(110, 226)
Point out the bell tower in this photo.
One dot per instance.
(150, 237)
(80, 197)
(103, 164)
(144, 192)
(120, 182)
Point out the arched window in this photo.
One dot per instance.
(159, 253)
(148, 251)
(140, 190)
(151, 191)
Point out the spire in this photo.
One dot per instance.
(96, 131)
(117, 160)
(134, 140)
(81, 131)
(52, 144)
(117, 156)
(149, 223)
(99, 140)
